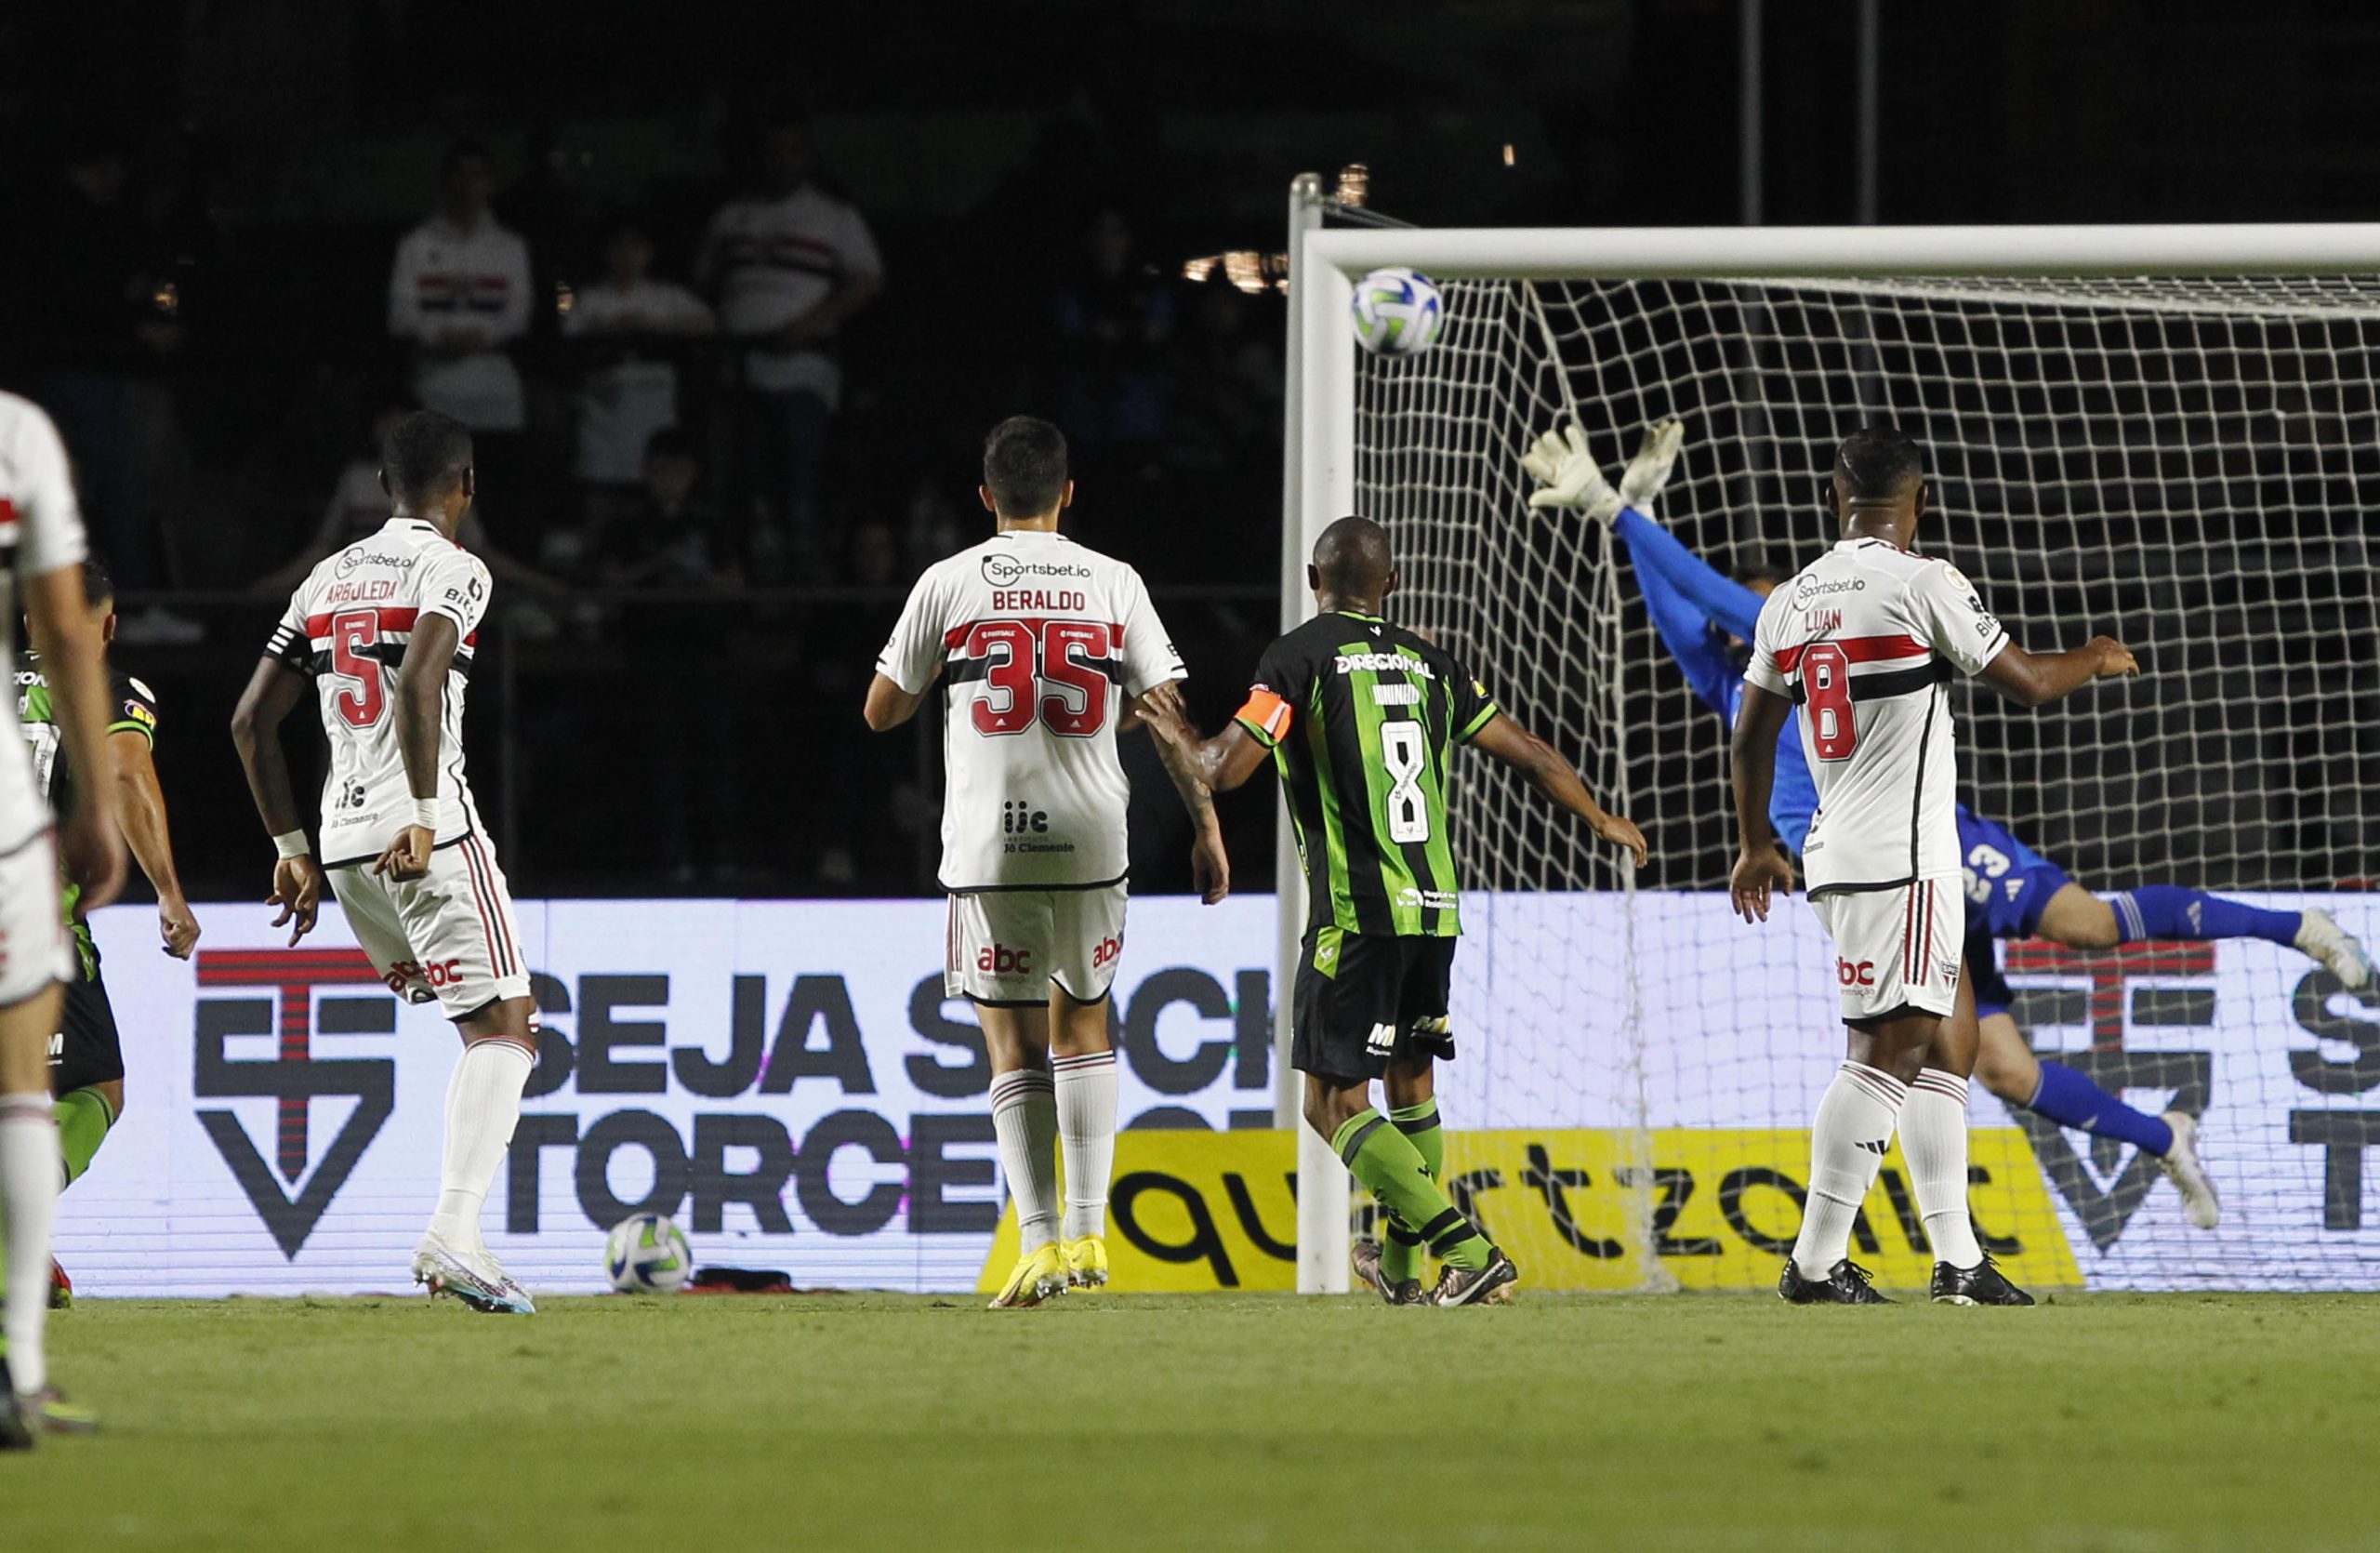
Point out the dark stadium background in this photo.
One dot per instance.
(709, 741)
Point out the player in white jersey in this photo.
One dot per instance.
(41, 572)
(1045, 648)
(385, 631)
(1865, 640)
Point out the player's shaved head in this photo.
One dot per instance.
(1024, 467)
(1351, 561)
(1878, 463)
(425, 459)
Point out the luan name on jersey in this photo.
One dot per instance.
(1864, 639)
(347, 626)
(41, 531)
(1040, 643)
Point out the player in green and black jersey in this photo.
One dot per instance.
(86, 1058)
(1362, 717)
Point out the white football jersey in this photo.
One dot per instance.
(1042, 642)
(346, 625)
(1864, 639)
(41, 530)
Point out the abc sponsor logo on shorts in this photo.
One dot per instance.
(438, 972)
(1000, 960)
(1105, 955)
(1861, 974)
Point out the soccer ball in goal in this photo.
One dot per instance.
(2165, 435)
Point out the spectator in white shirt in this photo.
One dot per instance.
(628, 384)
(458, 297)
(787, 263)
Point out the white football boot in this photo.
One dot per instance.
(2339, 950)
(471, 1275)
(2187, 1171)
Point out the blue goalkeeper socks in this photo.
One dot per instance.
(2070, 1100)
(2172, 911)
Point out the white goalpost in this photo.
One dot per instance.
(2171, 435)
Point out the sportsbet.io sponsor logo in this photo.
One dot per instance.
(1006, 571)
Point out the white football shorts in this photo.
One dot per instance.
(448, 934)
(1897, 950)
(33, 948)
(1008, 946)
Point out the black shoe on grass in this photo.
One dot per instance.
(1365, 1256)
(1489, 1285)
(1981, 1284)
(1845, 1283)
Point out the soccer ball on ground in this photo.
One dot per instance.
(1396, 312)
(647, 1256)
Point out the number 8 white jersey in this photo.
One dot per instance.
(347, 626)
(1042, 642)
(1864, 639)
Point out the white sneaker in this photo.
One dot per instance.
(2183, 1167)
(2339, 950)
(472, 1274)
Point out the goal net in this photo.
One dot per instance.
(2181, 463)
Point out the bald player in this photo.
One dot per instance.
(1362, 715)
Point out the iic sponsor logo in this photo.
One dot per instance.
(1019, 817)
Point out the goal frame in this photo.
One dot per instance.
(1318, 439)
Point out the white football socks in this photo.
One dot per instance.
(482, 1108)
(1025, 1118)
(28, 1209)
(1848, 1137)
(1086, 1087)
(1934, 1139)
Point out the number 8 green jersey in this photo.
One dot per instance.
(1361, 716)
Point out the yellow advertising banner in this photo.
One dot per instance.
(1206, 1211)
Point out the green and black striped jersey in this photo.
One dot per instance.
(1362, 716)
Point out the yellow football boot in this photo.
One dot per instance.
(1038, 1275)
(1086, 1264)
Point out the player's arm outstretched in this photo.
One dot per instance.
(1543, 768)
(273, 691)
(2033, 681)
(140, 809)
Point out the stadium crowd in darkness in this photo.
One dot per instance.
(718, 431)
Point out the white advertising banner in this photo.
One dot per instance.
(787, 1080)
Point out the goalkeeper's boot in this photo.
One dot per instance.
(1489, 1285)
(471, 1274)
(1981, 1284)
(1365, 1258)
(48, 1410)
(1086, 1260)
(1038, 1275)
(2320, 935)
(1845, 1283)
(2187, 1171)
(16, 1425)
(61, 1288)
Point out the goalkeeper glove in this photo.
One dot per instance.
(1650, 470)
(1562, 466)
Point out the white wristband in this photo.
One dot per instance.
(292, 844)
(425, 814)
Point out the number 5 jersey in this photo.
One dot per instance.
(1040, 643)
(347, 626)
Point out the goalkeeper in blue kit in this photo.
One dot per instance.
(1706, 620)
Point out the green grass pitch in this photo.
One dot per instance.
(1212, 1423)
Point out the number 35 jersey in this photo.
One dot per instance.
(347, 625)
(1362, 717)
(1865, 640)
(1040, 643)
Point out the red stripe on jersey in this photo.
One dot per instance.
(956, 637)
(7, 513)
(1858, 649)
(388, 619)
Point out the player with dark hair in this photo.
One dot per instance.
(1362, 716)
(1865, 640)
(385, 632)
(1044, 648)
(87, 1059)
(2012, 892)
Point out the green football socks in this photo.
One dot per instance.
(84, 1118)
(1388, 1164)
(1400, 1243)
